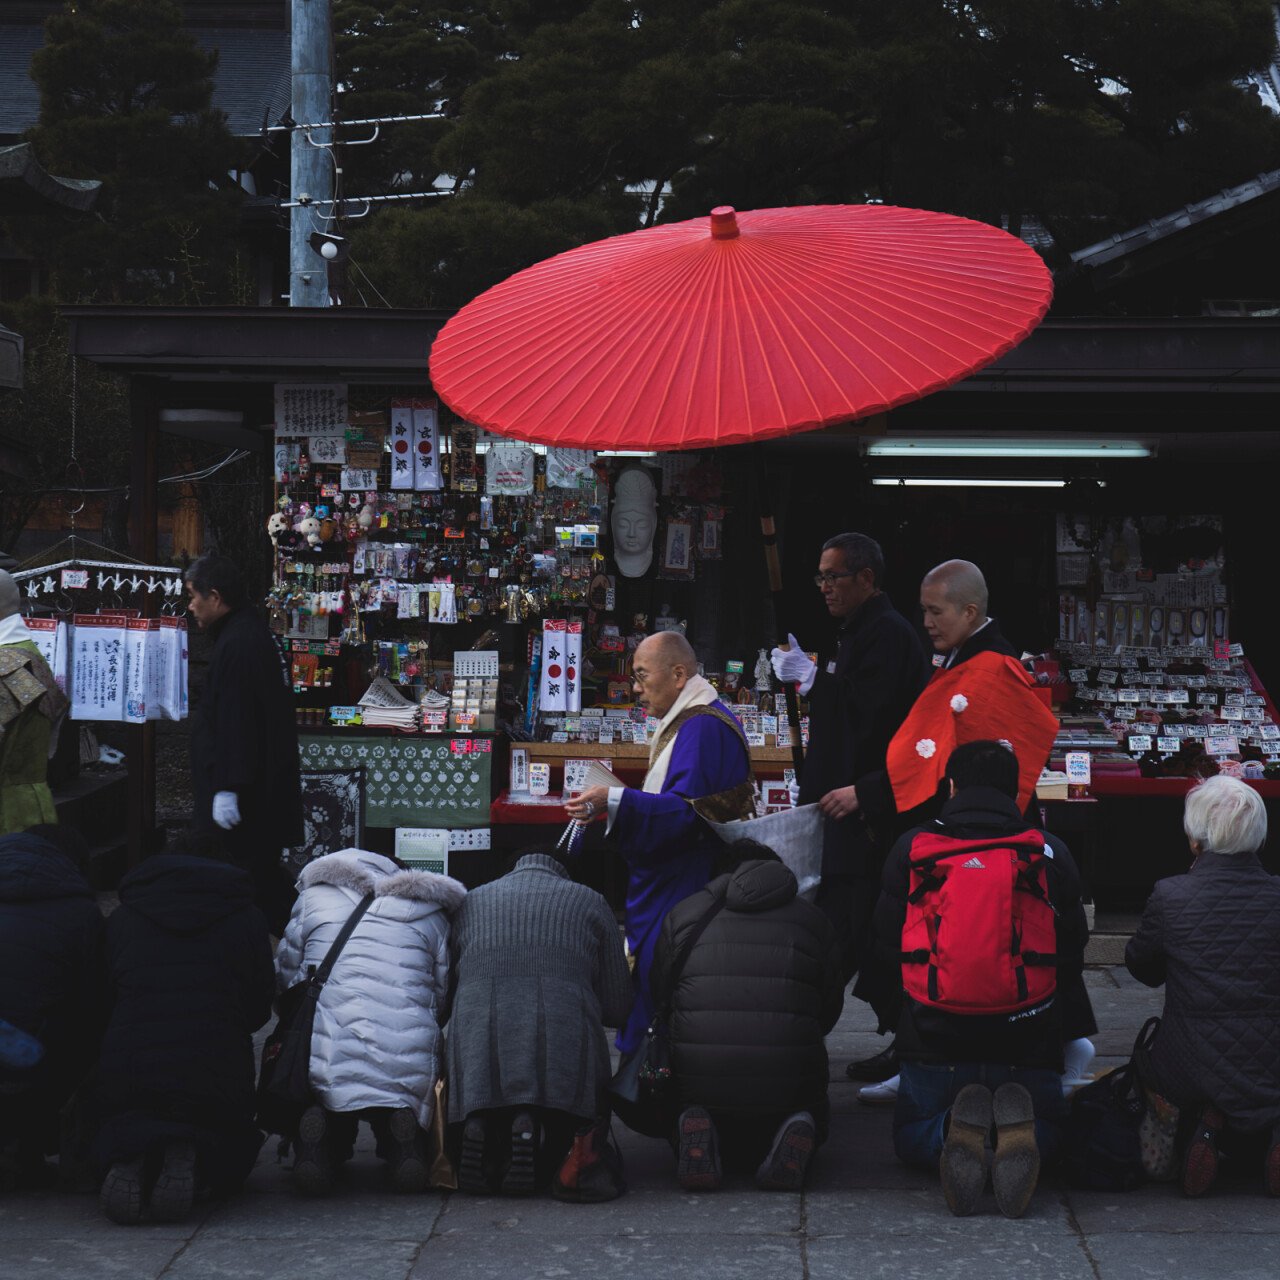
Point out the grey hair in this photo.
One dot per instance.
(1223, 815)
(860, 552)
(962, 583)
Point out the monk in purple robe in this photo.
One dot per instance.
(699, 766)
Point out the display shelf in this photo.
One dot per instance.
(550, 751)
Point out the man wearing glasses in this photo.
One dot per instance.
(857, 700)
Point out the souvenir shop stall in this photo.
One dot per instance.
(1154, 691)
(458, 614)
(113, 632)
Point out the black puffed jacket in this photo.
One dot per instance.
(760, 989)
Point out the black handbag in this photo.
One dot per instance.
(1101, 1149)
(644, 1074)
(284, 1083)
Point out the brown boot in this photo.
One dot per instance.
(592, 1171)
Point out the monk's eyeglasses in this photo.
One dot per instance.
(830, 579)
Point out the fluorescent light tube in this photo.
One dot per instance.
(949, 482)
(960, 447)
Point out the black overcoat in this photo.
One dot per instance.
(856, 703)
(50, 964)
(243, 735)
(191, 978)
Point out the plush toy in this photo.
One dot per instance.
(277, 523)
(327, 528)
(310, 529)
(365, 518)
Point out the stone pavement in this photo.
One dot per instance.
(864, 1215)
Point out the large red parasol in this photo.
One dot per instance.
(743, 328)
(740, 328)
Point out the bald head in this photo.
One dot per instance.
(962, 583)
(953, 601)
(663, 665)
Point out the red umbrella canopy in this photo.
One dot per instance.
(741, 327)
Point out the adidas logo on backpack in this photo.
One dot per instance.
(975, 863)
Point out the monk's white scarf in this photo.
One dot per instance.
(697, 693)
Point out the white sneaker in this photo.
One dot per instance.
(1078, 1056)
(880, 1095)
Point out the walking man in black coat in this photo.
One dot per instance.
(857, 699)
(244, 744)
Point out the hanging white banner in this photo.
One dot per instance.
(426, 446)
(552, 695)
(573, 667)
(401, 445)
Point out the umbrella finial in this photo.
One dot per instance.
(724, 222)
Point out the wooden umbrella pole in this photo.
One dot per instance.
(769, 536)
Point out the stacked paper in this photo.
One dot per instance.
(385, 707)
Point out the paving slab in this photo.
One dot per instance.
(924, 1212)
(335, 1257)
(706, 1256)
(975, 1255)
(1138, 1255)
(129, 1253)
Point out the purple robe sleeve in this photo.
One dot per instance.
(707, 757)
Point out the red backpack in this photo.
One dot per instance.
(980, 935)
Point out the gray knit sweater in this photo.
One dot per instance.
(540, 972)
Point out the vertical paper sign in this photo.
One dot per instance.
(135, 670)
(174, 700)
(552, 695)
(97, 666)
(402, 444)
(426, 446)
(573, 667)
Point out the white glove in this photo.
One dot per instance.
(793, 665)
(793, 789)
(226, 810)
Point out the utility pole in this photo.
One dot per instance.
(311, 167)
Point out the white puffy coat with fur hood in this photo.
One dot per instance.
(377, 1038)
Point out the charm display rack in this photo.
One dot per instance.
(113, 663)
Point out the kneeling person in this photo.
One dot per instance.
(749, 975)
(984, 920)
(376, 1044)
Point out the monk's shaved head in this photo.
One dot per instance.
(962, 583)
(667, 649)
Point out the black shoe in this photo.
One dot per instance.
(880, 1067)
(406, 1152)
(698, 1153)
(784, 1168)
(519, 1178)
(473, 1177)
(314, 1168)
(174, 1191)
(121, 1197)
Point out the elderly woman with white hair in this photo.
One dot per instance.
(1212, 936)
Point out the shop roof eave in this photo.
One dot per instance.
(256, 343)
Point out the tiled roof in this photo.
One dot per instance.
(1123, 242)
(251, 82)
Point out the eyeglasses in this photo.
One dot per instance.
(830, 579)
